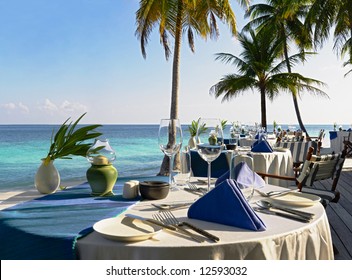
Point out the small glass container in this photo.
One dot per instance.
(101, 153)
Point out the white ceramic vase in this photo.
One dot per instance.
(47, 178)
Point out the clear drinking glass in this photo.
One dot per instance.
(170, 142)
(211, 141)
(242, 171)
(184, 175)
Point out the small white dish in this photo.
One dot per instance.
(126, 229)
(295, 199)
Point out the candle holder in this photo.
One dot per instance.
(102, 175)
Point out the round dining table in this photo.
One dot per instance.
(283, 238)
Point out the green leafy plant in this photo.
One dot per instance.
(69, 142)
(223, 124)
(194, 127)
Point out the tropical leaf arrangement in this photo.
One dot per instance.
(194, 127)
(69, 141)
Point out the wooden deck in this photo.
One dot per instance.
(340, 215)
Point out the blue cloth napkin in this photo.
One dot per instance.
(333, 135)
(261, 147)
(243, 172)
(225, 204)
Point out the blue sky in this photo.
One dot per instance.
(60, 58)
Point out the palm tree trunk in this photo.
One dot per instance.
(294, 97)
(164, 169)
(263, 107)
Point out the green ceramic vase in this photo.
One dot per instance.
(102, 179)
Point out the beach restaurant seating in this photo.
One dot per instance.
(316, 168)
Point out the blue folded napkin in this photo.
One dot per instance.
(225, 204)
(333, 135)
(261, 147)
(242, 173)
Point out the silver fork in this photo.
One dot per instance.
(168, 221)
(273, 193)
(194, 188)
(172, 219)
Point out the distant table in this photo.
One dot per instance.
(248, 142)
(336, 140)
(277, 163)
(283, 239)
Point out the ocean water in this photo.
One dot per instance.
(23, 146)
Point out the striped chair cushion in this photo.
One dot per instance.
(320, 168)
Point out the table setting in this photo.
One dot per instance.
(239, 229)
(237, 215)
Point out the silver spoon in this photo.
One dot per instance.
(267, 205)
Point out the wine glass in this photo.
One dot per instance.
(242, 171)
(212, 143)
(170, 142)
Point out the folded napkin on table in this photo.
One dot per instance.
(333, 135)
(242, 173)
(225, 204)
(262, 147)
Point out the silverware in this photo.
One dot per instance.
(273, 193)
(285, 215)
(165, 221)
(165, 206)
(152, 221)
(194, 188)
(267, 205)
(173, 220)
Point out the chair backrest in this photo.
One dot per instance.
(316, 168)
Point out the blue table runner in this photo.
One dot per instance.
(48, 227)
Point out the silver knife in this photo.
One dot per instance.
(202, 231)
(307, 215)
(286, 215)
(152, 221)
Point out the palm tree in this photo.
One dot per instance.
(323, 16)
(285, 19)
(259, 69)
(176, 18)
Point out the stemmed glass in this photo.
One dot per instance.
(242, 171)
(212, 143)
(170, 142)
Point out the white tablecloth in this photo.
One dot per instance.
(283, 239)
(336, 140)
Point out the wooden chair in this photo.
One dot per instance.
(347, 141)
(318, 168)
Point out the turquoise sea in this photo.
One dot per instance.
(136, 146)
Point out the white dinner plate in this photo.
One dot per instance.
(126, 229)
(295, 199)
